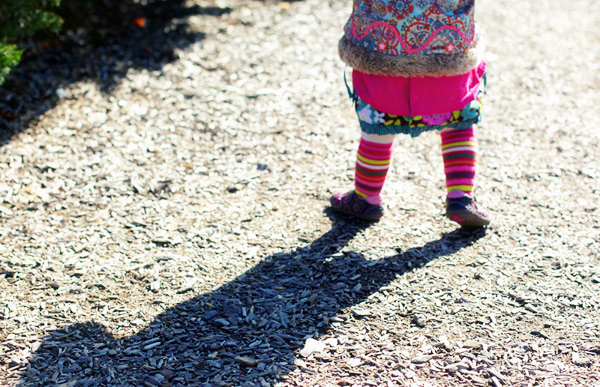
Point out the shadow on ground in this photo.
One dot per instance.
(248, 329)
(107, 45)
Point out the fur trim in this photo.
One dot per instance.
(415, 65)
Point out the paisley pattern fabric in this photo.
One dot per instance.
(406, 27)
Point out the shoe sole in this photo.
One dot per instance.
(353, 214)
(340, 208)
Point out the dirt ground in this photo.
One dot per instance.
(164, 213)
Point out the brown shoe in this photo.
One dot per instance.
(464, 211)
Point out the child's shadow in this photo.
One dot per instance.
(248, 329)
(119, 36)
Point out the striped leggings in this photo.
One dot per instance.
(459, 151)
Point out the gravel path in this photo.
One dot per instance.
(164, 214)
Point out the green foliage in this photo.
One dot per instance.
(9, 57)
(20, 19)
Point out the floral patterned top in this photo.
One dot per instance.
(411, 37)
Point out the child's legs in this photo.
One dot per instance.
(372, 164)
(459, 150)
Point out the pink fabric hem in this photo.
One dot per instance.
(421, 96)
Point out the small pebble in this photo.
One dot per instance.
(247, 361)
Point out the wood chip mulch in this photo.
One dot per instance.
(164, 214)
